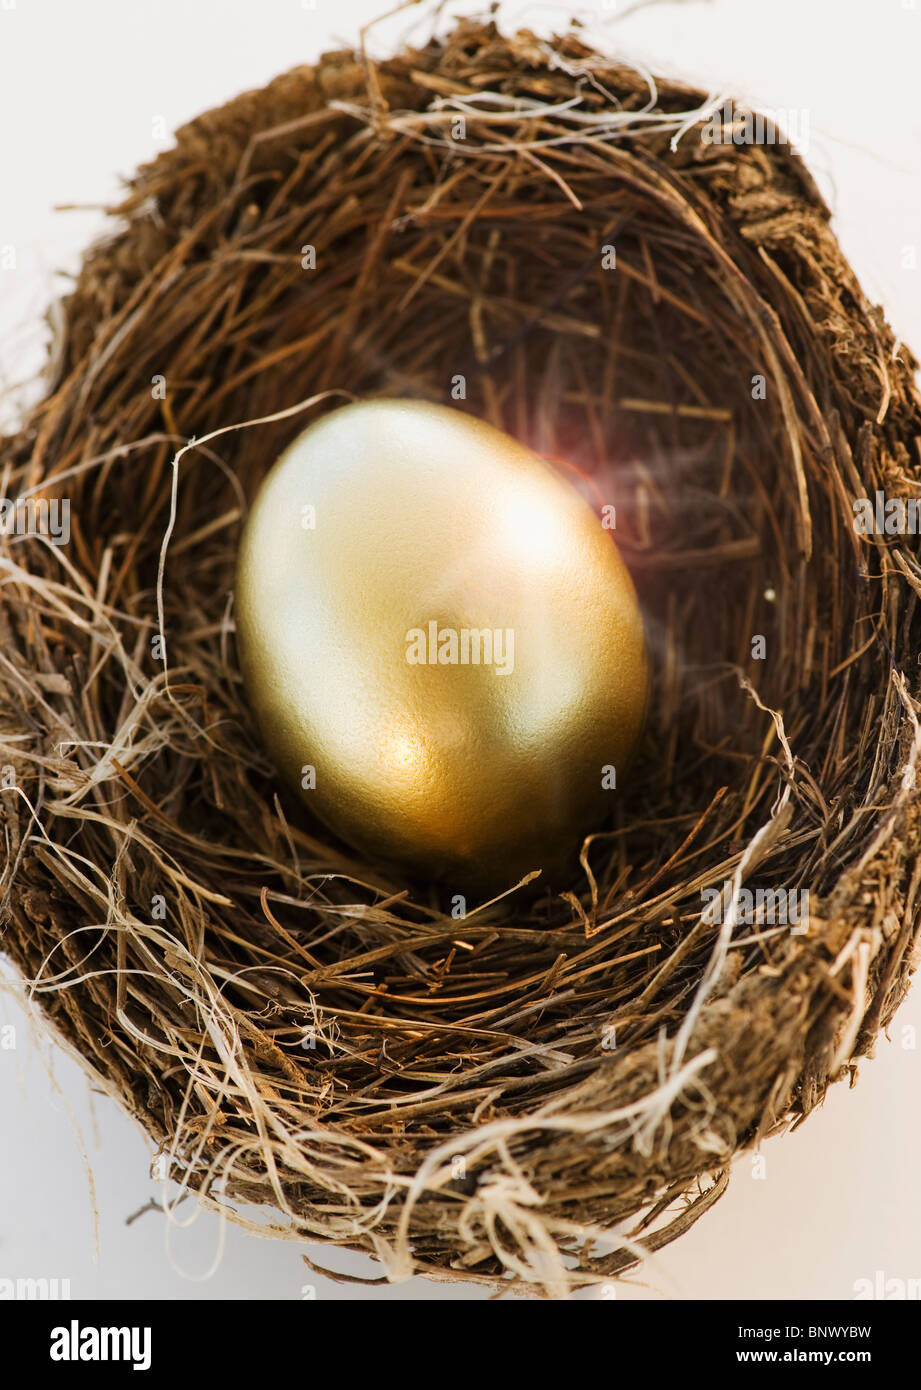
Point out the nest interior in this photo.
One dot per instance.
(537, 1095)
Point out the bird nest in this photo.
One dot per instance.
(539, 1094)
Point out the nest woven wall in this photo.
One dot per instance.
(474, 1100)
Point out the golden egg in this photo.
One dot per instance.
(440, 643)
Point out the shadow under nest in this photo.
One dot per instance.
(536, 1095)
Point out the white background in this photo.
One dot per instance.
(83, 89)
